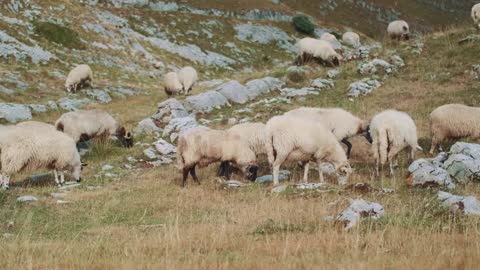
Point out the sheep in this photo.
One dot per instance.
(392, 131)
(33, 145)
(83, 125)
(328, 37)
(187, 77)
(452, 121)
(476, 15)
(203, 146)
(341, 123)
(253, 134)
(78, 77)
(398, 30)
(291, 139)
(320, 50)
(352, 39)
(172, 84)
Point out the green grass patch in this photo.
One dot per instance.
(59, 34)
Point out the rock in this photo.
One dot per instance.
(424, 173)
(99, 95)
(259, 87)
(62, 202)
(27, 198)
(10, 46)
(169, 109)
(397, 61)
(158, 65)
(150, 153)
(376, 66)
(206, 102)
(37, 108)
(333, 73)
(323, 84)
(261, 34)
(107, 167)
(291, 92)
(359, 209)
(470, 38)
(179, 126)
(164, 148)
(462, 168)
(52, 105)
(363, 87)
(235, 183)
(69, 104)
(468, 204)
(311, 186)
(282, 176)
(15, 112)
(232, 121)
(279, 189)
(147, 126)
(469, 149)
(58, 195)
(69, 185)
(8, 235)
(234, 92)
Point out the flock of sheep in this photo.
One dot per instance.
(298, 136)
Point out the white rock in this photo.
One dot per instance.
(164, 147)
(27, 198)
(468, 204)
(107, 167)
(150, 153)
(358, 209)
(147, 126)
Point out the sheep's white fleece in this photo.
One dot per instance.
(187, 77)
(352, 39)
(398, 29)
(78, 75)
(253, 134)
(172, 83)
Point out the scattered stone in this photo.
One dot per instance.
(52, 105)
(15, 112)
(62, 202)
(58, 195)
(99, 95)
(232, 121)
(69, 104)
(147, 126)
(206, 102)
(462, 168)
(261, 34)
(8, 235)
(178, 126)
(333, 73)
(37, 108)
(150, 153)
(362, 87)
(279, 189)
(107, 167)
(323, 84)
(468, 204)
(27, 198)
(69, 185)
(425, 173)
(311, 186)
(357, 210)
(282, 176)
(262, 86)
(291, 92)
(235, 183)
(397, 61)
(170, 109)
(164, 148)
(234, 92)
(470, 38)
(375, 67)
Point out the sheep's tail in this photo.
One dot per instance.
(271, 151)
(180, 159)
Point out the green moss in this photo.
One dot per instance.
(58, 34)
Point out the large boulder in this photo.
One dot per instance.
(169, 109)
(206, 102)
(234, 92)
(262, 86)
(15, 112)
(362, 87)
(427, 172)
(69, 104)
(178, 126)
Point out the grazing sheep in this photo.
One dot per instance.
(203, 146)
(328, 37)
(172, 84)
(83, 125)
(398, 30)
(351, 39)
(454, 121)
(78, 77)
(253, 134)
(33, 145)
(291, 139)
(392, 131)
(476, 15)
(187, 77)
(341, 123)
(320, 50)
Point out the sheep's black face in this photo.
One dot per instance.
(251, 172)
(406, 36)
(368, 136)
(127, 141)
(336, 62)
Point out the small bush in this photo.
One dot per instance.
(58, 34)
(303, 24)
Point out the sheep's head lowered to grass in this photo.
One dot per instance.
(125, 137)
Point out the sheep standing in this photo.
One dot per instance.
(341, 123)
(399, 30)
(187, 77)
(33, 145)
(391, 132)
(328, 37)
(78, 76)
(351, 39)
(453, 121)
(290, 139)
(319, 50)
(203, 146)
(83, 125)
(476, 15)
(254, 136)
(172, 83)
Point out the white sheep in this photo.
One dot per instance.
(320, 50)
(476, 15)
(254, 136)
(33, 145)
(328, 37)
(398, 30)
(392, 131)
(453, 121)
(203, 146)
(291, 139)
(187, 77)
(351, 39)
(83, 125)
(78, 77)
(341, 123)
(172, 84)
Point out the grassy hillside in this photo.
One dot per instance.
(141, 218)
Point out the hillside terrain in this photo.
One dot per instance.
(130, 212)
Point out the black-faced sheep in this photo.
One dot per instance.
(77, 77)
(172, 84)
(398, 30)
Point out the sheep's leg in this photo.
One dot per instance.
(320, 172)
(276, 171)
(194, 175)
(185, 175)
(391, 168)
(62, 178)
(222, 170)
(435, 143)
(6, 181)
(55, 174)
(306, 168)
(349, 146)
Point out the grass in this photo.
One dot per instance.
(59, 34)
